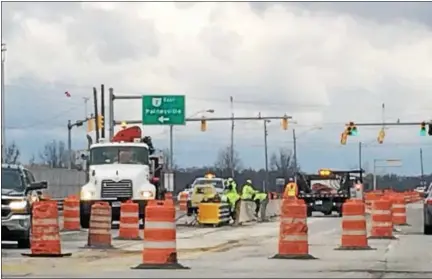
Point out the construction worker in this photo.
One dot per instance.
(232, 196)
(258, 199)
(249, 193)
(290, 188)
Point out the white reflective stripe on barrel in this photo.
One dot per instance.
(398, 206)
(292, 220)
(159, 244)
(129, 225)
(129, 214)
(99, 211)
(39, 222)
(100, 218)
(381, 212)
(100, 225)
(353, 218)
(396, 214)
(295, 237)
(71, 219)
(353, 232)
(99, 231)
(45, 237)
(159, 225)
(382, 224)
(68, 208)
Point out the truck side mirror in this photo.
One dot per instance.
(37, 186)
(84, 156)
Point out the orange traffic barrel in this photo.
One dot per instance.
(45, 238)
(399, 216)
(168, 196)
(99, 233)
(354, 232)
(71, 214)
(184, 196)
(129, 221)
(382, 224)
(293, 231)
(160, 247)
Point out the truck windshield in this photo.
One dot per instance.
(119, 155)
(325, 185)
(216, 183)
(11, 180)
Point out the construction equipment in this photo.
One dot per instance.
(328, 190)
(125, 168)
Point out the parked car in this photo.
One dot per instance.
(427, 209)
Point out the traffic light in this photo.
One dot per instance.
(423, 129)
(123, 125)
(100, 121)
(344, 137)
(285, 123)
(90, 125)
(381, 136)
(351, 130)
(430, 129)
(203, 125)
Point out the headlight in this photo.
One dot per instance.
(86, 194)
(18, 205)
(146, 195)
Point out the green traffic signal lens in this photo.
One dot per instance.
(354, 132)
(423, 132)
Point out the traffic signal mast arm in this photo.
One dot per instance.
(199, 119)
(390, 124)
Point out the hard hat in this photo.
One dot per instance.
(249, 181)
(230, 179)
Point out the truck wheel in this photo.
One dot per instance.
(85, 221)
(309, 212)
(427, 230)
(340, 214)
(24, 243)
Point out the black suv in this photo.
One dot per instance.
(19, 191)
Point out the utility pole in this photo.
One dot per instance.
(232, 138)
(3, 106)
(96, 113)
(103, 111)
(421, 168)
(86, 99)
(295, 154)
(171, 150)
(266, 154)
(360, 161)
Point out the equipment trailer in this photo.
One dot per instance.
(326, 191)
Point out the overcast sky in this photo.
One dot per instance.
(322, 63)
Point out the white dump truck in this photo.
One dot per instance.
(122, 169)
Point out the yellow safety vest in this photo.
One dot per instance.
(291, 190)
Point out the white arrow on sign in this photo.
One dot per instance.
(163, 119)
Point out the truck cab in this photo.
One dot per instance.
(120, 170)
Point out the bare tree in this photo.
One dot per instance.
(12, 154)
(54, 154)
(283, 163)
(223, 161)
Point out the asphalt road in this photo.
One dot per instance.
(243, 253)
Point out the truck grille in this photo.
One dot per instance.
(120, 189)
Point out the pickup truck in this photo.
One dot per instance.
(19, 190)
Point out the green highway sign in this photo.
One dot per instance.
(163, 110)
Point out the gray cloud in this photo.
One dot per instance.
(382, 12)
